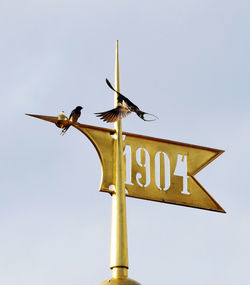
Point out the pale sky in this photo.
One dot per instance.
(185, 61)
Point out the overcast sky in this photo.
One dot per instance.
(185, 61)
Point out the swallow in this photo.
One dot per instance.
(74, 116)
(124, 108)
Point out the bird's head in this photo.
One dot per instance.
(79, 108)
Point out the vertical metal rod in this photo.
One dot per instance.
(119, 245)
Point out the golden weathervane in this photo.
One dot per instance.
(146, 168)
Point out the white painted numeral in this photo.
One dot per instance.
(127, 153)
(142, 164)
(181, 170)
(158, 170)
(143, 160)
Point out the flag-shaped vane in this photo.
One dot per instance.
(155, 169)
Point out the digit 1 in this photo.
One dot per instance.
(127, 154)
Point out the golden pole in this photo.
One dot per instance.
(119, 242)
(119, 246)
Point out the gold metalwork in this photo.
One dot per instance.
(62, 120)
(110, 146)
(120, 281)
(119, 247)
(198, 158)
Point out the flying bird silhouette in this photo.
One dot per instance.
(124, 108)
(74, 116)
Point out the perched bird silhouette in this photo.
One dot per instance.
(74, 116)
(124, 108)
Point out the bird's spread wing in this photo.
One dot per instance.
(123, 110)
(110, 86)
(121, 98)
(113, 115)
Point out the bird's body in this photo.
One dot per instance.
(75, 114)
(73, 118)
(124, 108)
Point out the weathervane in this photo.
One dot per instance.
(140, 167)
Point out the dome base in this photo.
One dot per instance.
(120, 281)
